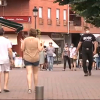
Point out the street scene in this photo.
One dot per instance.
(49, 49)
(57, 85)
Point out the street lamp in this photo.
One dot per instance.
(35, 13)
(0, 2)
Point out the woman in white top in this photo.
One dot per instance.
(73, 57)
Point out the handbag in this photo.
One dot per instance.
(75, 57)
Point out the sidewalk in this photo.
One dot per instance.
(58, 84)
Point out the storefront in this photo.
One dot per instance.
(58, 38)
(14, 37)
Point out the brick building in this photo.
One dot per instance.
(52, 20)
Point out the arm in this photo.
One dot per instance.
(95, 45)
(79, 45)
(53, 49)
(10, 53)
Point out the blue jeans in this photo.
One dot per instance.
(98, 61)
(50, 62)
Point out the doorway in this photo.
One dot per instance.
(75, 38)
(60, 43)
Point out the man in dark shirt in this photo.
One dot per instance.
(87, 40)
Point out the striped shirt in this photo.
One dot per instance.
(66, 51)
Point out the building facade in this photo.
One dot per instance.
(58, 22)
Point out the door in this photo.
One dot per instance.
(60, 43)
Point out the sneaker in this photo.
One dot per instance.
(29, 91)
(89, 73)
(63, 70)
(86, 74)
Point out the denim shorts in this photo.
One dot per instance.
(27, 63)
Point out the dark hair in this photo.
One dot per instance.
(44, 46)
(50, 42)
(72, 44)
(1, 31)
(32, 32)
(86, 28)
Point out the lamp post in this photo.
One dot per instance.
(0, 2)
(35, 13)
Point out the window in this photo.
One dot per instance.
(49, 13)
(64, 14)
(57, 13)
(40, 12)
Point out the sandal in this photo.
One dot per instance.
(29, 91)
(5, 90)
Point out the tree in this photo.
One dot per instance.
(88, 9)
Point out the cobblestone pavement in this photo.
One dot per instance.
(57, 84)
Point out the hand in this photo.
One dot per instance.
(21, 40)
(94, 52)
(42, 42)
(76, 51)
(12, 62)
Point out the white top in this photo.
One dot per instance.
(96, 55)
(4, 45)
(72, 52)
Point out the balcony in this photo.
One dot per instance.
(57, 22)
(64, 22)
(49, 21)
(75, 26)
(40, 21)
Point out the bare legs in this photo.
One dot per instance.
(0, 81)
(73, 65)
(29, 76)
(30, 70)
(35, 75)
(6, 78)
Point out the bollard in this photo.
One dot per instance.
(39, 92)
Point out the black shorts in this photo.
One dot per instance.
(27, 63)
(72, 60)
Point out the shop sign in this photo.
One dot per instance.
(20, 19)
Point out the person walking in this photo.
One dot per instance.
(87, 40)
(6, 57)
(42, 59)
(50, 51)
(73, 57)
(31, 46)
(65, 56)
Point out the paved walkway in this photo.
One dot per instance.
(57, 84)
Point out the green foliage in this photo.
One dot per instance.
(88, 9)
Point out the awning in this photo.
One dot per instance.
(10, 24)
(12, 38)
(96, 35)
(47, 39)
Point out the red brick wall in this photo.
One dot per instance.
(15, 8)
(48, 4)
(17, 48)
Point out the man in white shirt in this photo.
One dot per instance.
(5, 58)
